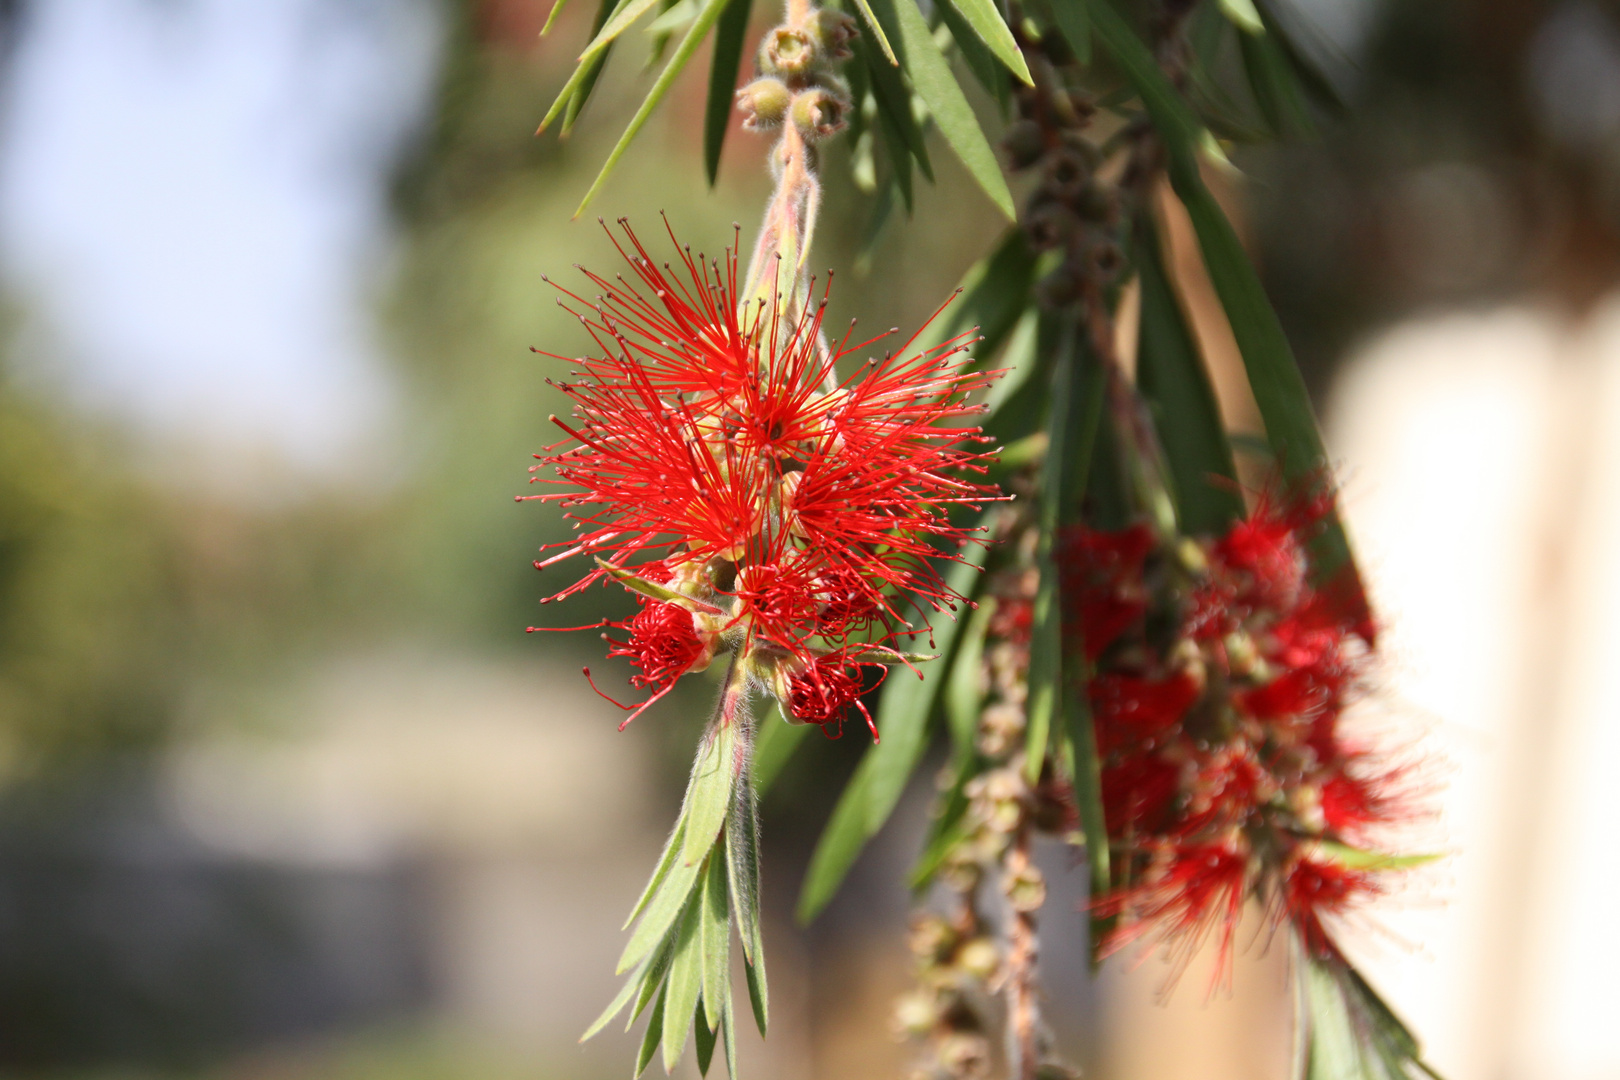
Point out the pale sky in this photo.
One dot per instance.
(192, 211)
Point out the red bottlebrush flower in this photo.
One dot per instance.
(1225, 773)
(1102, 574)
(723, 435)
(822, 693)
(1133, 711)
(663, 645)
(1316, 888)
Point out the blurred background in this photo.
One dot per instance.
(285, 790)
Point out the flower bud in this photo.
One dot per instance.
(766, 103)
(979, 958)
(818, 114)
(1026, 890)
(915, 1013)
(832, 30)
(787, 52)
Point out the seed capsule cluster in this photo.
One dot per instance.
(796, 81)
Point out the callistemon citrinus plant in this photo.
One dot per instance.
(774, 498)
(1153, 666)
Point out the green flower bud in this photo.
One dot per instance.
(766, 102)
(833, 30)
(817, 114)
(787, 52)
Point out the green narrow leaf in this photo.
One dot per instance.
(715, 931)
(703, 1038)
(947, 829)
(876, 30)
(1279, 390)
(964, 690)
(662, 911)
(1057, 336)
(683, 53)
(758, 993)
(620, 1000)
(708, 793)
(579, 84)
(899, 159)
(728, 1035)
(1080, 741)
(881, 776)
(623, 18)
(931, 75)
(892, 97)
(980, 60)
(773, 747)
(652, 1036)
(723, 67)
(1074, 24)
(1171, 375)
(665, 861)
(675, 15)
(1359, 859)
(987, 23)
(1243, 16)
(995, 294)
(653, 980)
(1045, 673)
(742, 864)
(590, 71)
(685, 983)
(551, 17)
(1271, 80)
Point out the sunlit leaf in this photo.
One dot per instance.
(708, 793)
(893, 100)
(580, 83)
(714, 930)
(986, 68)
(1243, 16)
(931, 76)
(1171, 375)
(683, 53)
(685, 982)
(661, 912)
(624, 16)
(652, 1036)
(1279, 389)
(985, 19)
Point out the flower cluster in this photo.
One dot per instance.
(719, 465)
(1226, 773)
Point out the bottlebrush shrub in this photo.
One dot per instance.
(1226, 771)
(762, 505)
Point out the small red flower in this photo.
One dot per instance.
(808, 504)
(823, 692)
(1224, 767)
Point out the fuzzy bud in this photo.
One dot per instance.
(787, 52)
(833, 31)
(766, 102)
(818, 114)
(1026, 889)
(979, 958)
